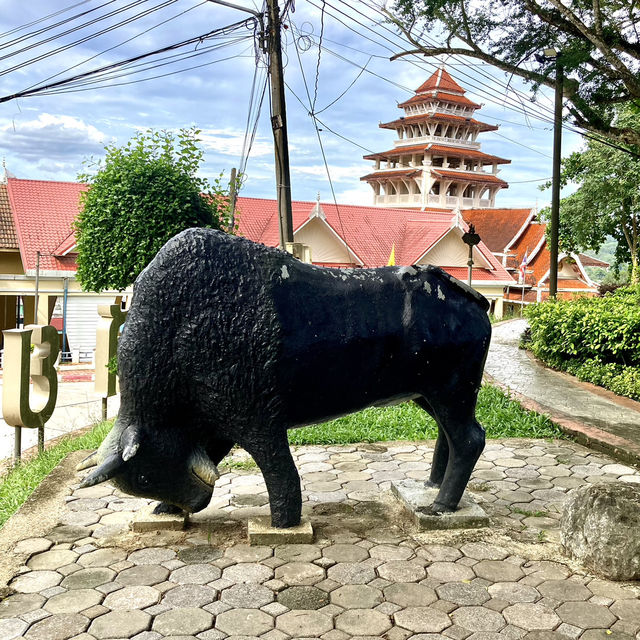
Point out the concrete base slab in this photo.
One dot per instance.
(146, 520)
(417, 499)
(260, 532)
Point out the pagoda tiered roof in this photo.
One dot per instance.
(440, 96)
(452, 151)
(440, 117)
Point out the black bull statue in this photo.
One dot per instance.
(230, 342)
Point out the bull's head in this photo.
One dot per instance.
(166, 467)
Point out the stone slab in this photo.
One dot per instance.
(416, 498)
(146, 520)
(260, 532)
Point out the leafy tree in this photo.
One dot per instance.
(598, 41)
(141, 195)
(607, 202)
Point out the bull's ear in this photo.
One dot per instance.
(104, 472)
(130, 443)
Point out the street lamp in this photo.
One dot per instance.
(472, 239)
(552, 54)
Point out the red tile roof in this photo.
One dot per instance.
(590, 261)
(43, 212)
(370, 232)
(497, 227)
(443, 117)
(440, 96)
(8, 238)
(468, 176)
(442, 81)
(404, 173)
(458, 152)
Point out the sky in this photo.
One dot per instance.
(337, 66)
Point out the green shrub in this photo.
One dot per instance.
(595, 339)
(606, 329)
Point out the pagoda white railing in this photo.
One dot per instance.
(406, 199)
(415, 200)
(407, 142)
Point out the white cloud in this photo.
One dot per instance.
(229, 142)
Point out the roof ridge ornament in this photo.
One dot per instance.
(317, 211)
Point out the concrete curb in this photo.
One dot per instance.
(37, 516)
(597, 439)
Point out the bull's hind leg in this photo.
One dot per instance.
(281, 477)
(441, 450)
(462, 438)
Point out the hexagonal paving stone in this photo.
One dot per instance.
(402, 571)
(88, 578)
(199, 554)
(245, 553)
(190, 595)
(182, 622)
(449, 572)
(152, 555)
(356, 596)
(148, 574)
(195, 574)
(20, 603)
(303, 598)
(35, 581)
(73, 601)
(604, 634)
(351, 573)
(360, 622)
(548, 570)
(68, 533)
(248, 572)
(498, 571)
(138, 597)
(299, 624)
(120, 624)
(247, 596)
(58, 627)
(298, 552)
(102, 557)
(299, 573)
(410, 595)
(345, 553)
(11, 628)
(422, 620)
(52, 560)
(531, 617)
(463, 593)
(628, 610)
(513, 592)
(484, 551)
(586, 615)
(244, 622)
(478, 619)
(564, 590)
(390, 552)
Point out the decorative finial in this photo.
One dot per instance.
(317, 211)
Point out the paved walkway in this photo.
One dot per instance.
(369, 574)
(595, 416)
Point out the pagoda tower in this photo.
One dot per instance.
(436, 160)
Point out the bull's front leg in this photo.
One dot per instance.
(281, 477)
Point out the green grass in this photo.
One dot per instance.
(501, 416)
(23, 479)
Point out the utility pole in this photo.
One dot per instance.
(279, 125)
(555, 189)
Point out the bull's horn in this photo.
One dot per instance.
(206, 470)
(90, 461)
(104, 472)
(130, 441)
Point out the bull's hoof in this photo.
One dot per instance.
(437, 509)
(166, 508)
(431, 484)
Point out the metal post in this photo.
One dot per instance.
(555, 190)
(470, 263)
(104, 408)
(35, 304)
(17, 444)
(41, 439)
(64, 316)
(279, 126)
(232, 200)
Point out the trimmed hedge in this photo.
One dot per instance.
(595, 339)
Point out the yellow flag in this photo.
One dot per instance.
(392, 256)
